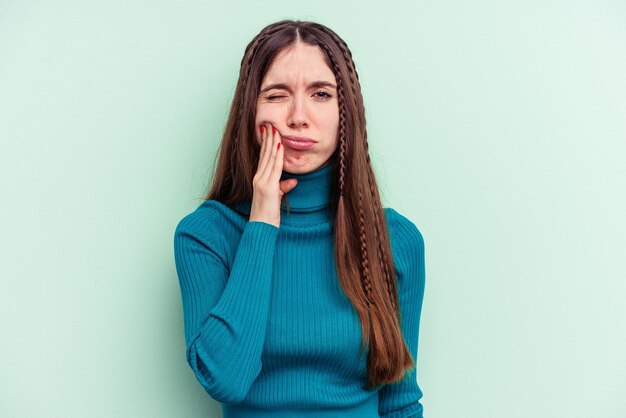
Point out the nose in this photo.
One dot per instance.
(297, 114)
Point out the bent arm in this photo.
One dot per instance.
(225, 313)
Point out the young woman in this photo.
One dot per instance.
(283, 297)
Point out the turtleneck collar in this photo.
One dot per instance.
(309, 200)
(312, 191)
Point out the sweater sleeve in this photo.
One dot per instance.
(225, 309)
(402, 399)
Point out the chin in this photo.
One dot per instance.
(289, 170)
(303, 167)
(298, 168)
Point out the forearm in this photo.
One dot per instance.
(225, 342)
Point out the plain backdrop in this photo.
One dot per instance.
(497, 127)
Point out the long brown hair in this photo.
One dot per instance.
(364, 262)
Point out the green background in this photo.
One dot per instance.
(497, 127)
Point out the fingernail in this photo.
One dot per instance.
(273, 130)
(278, 145)
(262, 128)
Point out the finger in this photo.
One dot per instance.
(266, 151)
(260, 128)
(264, 154)
(287, 185)
(271, 143)
(278, 159)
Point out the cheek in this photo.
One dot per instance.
(331, 117)
(261, 116)
(331, 123)
(264, 114)
(266, 111)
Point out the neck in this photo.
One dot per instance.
(309, 201)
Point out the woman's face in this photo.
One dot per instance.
(293, 101)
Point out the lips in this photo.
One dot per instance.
(298, 142)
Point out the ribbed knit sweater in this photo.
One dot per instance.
(269, 331)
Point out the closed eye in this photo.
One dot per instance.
(326, 96)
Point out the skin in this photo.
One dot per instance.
(294, 108)
(302, 110)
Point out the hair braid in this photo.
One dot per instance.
(342, 122)
(354, 79)
(354, 76)
(366, 279)
(364, 259)
(383, 260)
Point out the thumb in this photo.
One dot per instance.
(287, 185)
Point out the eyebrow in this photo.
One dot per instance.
(318, 83)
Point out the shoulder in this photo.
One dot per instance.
(402, 228)
(212, 222)
(200, 234)
(197, 221)
(407, 241)
(208, 225)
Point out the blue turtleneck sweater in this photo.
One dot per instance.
(269, 331)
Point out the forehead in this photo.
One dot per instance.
(299, 64)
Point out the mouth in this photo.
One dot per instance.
(298, 143)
